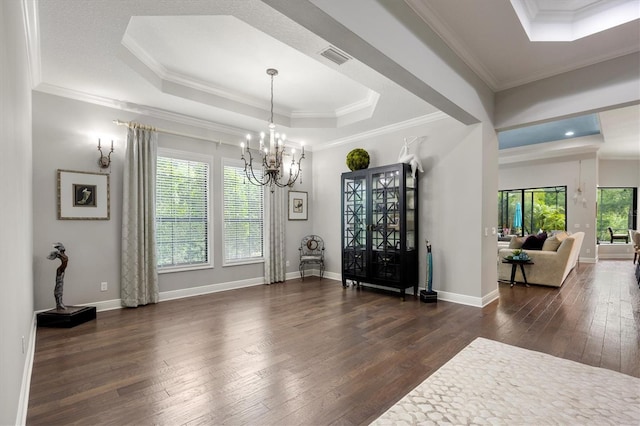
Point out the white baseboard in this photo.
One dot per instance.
(463, 299)
(490, 297)
(619, 256)
(23, 402)
(107, 305)
(207, 289)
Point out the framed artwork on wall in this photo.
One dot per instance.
(298, 209)
(83, 195)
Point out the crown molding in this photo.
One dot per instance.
(413, 122)
(549, 150)
(140, 109)
(165, 76)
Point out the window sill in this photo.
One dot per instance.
(243, 262)
(183, 269)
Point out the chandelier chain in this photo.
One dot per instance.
(271, 121)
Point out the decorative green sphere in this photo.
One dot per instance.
(357, 159)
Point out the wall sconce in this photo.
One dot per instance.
(105, 160)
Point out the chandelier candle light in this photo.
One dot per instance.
(272, 156)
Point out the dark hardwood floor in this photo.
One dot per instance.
(311, 353)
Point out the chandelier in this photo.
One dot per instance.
(271, 157)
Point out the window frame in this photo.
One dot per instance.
(232, 162)
(529, 191)
(633, 213)
(203, 158)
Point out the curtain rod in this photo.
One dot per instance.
(170, 132)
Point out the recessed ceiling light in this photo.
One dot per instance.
(569, 133)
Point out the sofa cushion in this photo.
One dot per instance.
(534, 242)
(551, 243)
(516, 242)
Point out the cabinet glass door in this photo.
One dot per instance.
(355, 226)
(411, 211)
(385, 224)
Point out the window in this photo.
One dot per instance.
(616, 209)
(527, 211)
(182, 210)
(243, 215)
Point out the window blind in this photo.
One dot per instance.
(182, 212)
(243, 215)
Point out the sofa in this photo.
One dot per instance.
(550, 267)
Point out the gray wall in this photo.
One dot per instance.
(16, 316)
(450, 201)
(65, 136)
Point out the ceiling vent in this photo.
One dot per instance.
(334, 55)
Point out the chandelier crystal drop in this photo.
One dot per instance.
(271, 157)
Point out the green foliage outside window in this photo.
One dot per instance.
(616, 209)
(542, 209)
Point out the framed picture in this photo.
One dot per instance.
(298, 205)
(83, 195)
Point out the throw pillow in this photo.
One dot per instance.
(534, 242)
(551, 244)
(516, 242)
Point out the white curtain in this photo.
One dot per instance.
(274, 244)
(139, 273)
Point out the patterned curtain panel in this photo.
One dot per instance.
(139, 273)
(274, 255)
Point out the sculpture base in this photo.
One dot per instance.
(66, 318)
(429, 296)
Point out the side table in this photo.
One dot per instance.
(514, 265)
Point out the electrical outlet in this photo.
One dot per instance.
(288, 263)
(22, 344)
(103, 286)
(588, 251)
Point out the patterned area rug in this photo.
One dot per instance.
(492, 383)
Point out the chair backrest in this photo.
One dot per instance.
(635, 237)
(312, 245)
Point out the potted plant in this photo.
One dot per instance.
(357, 159)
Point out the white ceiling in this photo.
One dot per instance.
(204, 62)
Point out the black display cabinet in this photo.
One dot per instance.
(380, 227)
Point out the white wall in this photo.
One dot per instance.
(65, 137)
(16, 315)
(450, 202)
(618, 173)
